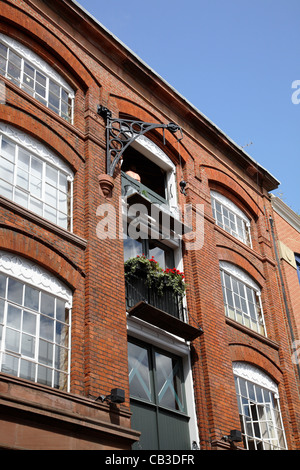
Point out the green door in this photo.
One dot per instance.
(157, 398)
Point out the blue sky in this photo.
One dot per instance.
(234, 60)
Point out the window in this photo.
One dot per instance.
(259, 409)
(156, 172)
(229, 217)
(34, 323)
(36, 77)
(32, 176)
(242, 297)
(297, 258)
(163, 254)
(157, 397)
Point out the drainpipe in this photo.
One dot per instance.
(283, 291)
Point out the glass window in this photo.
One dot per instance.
(35, 183)
(32, 74)
(157, 397)
(229, 217)
(297, 258)
(150, 248)
(34, 332)
(259, 410)
(242, 298)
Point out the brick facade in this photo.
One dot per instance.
(102, 71)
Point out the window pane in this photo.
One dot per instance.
(6, 170)
(14, 316)
(44, 375)
(40, 78)
(36, 206)
(6, 189)
(27, 370)
(46, 328)
(139, 373)
(61, 358)
(15, 291)
(1, 310)
(10, 364)
(29, 322)
(2, 285)
(47, 304)
(24, 160)
(28, 345)
(62, 334)
(54, 88)
(61, 313)
(21, 198)
(45, 353)
(12, 340)
(8, 149)
(168, 382)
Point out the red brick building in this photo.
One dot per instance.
(287, 239)
(81, 110)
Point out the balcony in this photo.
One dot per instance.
(134, 192)
(151, 297)
(131, 186)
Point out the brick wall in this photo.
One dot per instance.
(102, 73)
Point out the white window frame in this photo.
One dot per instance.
(45, 69)
(47, 158)
(30, 274)
(235, 216)
(261, 393)
(154, 153)
(165, 341)
(240, 315)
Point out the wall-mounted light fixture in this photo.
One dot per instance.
(234, 436)
(117, 395)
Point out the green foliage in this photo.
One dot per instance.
(155, 276)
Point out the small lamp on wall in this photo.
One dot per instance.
(234, 436)
(117, 395)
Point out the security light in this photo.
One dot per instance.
(117, 395)
(234, 436)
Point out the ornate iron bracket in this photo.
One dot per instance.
(120, 133)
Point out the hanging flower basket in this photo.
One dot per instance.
(155, 277)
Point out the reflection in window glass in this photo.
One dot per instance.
(21, 66)
(34, 334)
(242, 302)
(260, 416)
(229, 217)
(35, 183)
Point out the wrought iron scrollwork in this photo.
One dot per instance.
(120, 133)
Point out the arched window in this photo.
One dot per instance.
(28, 71)
(34, 177)
(242, 297)
(259, 408)
(34, 323)
(229, 217)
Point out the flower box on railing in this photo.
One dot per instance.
(156, 296)
(163, 288)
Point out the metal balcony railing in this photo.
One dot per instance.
(130, 185)
(168, 301)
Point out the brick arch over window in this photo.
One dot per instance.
(249, 354)
(225, 184)
(37, 252)
(129, 108)
(232, 256)
(18, 22)
(38, 130)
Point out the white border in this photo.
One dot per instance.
(26, 271)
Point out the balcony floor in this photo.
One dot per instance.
(163, 320)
